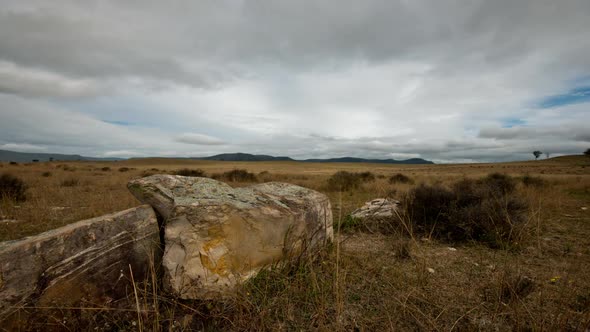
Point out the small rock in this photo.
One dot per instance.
(377, 208)
(430, 270)
(451, 249)
(584, 208)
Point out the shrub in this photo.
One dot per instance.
(12, 187)
(124, 169)
(366, 176)
(190, 172)
(46, 174)
(400, 178)
(484, 210)
(344, 181)
(13, 163)
(499, 184)
(237, 175)
(106, 169)
(532, 181)
(428, 207)
(71, 182)
(349, 223)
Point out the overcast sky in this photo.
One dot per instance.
(449, 81)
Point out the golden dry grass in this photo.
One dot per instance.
(365, 282)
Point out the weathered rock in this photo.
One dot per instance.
(377, 208)
(217, 237)
(82, 264)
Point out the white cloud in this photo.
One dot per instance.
(22, 147)
(198, 139)
(375, 78)
(41, 83)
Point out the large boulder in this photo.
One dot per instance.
(217, 236)
(87, 263)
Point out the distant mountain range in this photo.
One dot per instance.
(262, 157)
(25, 157)
(243, 157)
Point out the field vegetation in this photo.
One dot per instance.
(492, 247)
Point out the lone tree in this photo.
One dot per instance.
(537, 154)
(587, 152)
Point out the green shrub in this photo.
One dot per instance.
(12, 187)
(485, 210)
(400, 178)
(190, 172)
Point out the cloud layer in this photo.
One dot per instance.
(442, 80)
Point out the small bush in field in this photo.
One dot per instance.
(106, 169)
(12, 187)
(400, 178)
(124, 169)
(190, 172)
(46, 174)
(237, 175)
(366, 176)
(13, 163)
(499, 184)
(344, 181)
(71, 182)
(485, 210)
(532, 181)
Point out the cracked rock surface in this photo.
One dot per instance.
(217, 236)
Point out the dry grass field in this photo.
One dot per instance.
(367, 281)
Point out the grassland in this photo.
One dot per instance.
(366, 281)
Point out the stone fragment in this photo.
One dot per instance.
(86, 263)
(217, 236)
(377, 208)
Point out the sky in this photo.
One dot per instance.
(446, 80)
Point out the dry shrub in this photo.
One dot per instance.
(13, 163)
(265, 176)
(366, 176)
(46, 174)
(236, 175)
(124, 169)
(106, 169)
(12, 188)
(508, 287)
(190, 172)
(400, 178)
(71, 182)
(532, 181)
(485, 210)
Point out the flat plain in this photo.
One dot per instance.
(367, 280)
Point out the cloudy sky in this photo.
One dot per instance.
(449, 81)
